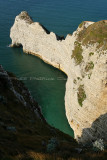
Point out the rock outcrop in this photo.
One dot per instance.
(9, 83)
(83, 57)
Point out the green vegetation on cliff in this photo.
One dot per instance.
(81, 95)
(77, 53)
(81, 24)
(89, 66)
(91, 54)
(95, 33)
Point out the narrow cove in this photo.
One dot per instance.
(47, 86)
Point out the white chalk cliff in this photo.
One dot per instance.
(83, 57)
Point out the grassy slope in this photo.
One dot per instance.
(97, 32)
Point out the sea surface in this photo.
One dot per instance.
(47, 84)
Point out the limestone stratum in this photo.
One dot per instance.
(83, 57)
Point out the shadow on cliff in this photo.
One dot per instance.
(57, 36)
(98, 130)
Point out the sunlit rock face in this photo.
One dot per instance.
(83, 57)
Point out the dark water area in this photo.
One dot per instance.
(46, 83)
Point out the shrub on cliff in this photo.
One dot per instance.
(77, 53)
(89, 66)
(81, 95)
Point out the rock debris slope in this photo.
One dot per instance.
(83, 57)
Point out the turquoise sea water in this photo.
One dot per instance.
(46, 83)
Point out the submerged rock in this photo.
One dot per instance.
(83, 57)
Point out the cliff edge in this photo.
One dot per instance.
(83, 57)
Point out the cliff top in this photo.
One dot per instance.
(94, 33)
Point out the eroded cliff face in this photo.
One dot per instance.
(83, 57)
